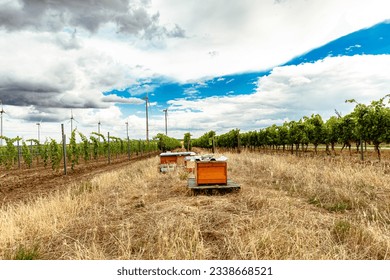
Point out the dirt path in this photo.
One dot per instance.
(26, 184)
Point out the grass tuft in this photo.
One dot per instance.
(23, 253)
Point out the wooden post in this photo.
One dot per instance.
(108, 148)
(18, 154)
(238, 143)
(128, 147)
(64, 147)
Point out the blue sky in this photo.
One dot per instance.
(373, 40)
(215, 65)
(161, 91)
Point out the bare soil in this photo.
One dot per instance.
(25, 184)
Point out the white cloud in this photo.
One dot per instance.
(289, 93)
(41, 73)
(329, 82)
(49, 62)
(255, 35)
(117, 99)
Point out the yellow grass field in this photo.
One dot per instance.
(288, 208)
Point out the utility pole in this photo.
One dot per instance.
(99, 123)
(127, 129)
(166, 128)
(39, 132)
(1, 114)
(63, 146)
(71, 121)
(147, 118)
(128, 140)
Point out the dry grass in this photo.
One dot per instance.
(288, 208)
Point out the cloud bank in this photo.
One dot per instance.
(129, 16)
(289, 93)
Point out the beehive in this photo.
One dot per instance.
(190, 166)
(168, 159)
(211, 172)
(177, 158)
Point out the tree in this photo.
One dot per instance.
(346, 131)
(187, 141)
(332, 132)
(230, 139)
(166, 143)
(283, 135)
(372, 122)
(296, 134)
(272, 136)
(205, 141)
(315, 130)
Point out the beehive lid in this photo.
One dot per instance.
(169, 154)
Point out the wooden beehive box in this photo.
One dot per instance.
(168, 159)
(178, 157)
(190, 165)
(180, 160)
(211, 172)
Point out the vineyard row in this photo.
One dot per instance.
(25, 153)
(366, 124)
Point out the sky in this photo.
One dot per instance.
(214, 65)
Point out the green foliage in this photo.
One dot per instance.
(55, 154)
(34, 150)
(187, 141)
(372, 122)
(116, 145)
(10, 153)
(95, 146)
(297, 133)
(73, 151)
(166, 143)
(315, 130)
(102, 146)
(205, 141)
(52, 152)
(369, 123)
(341, 231)
(332, 130)
(229, 140)
(44, 152)
(27, 156)
(85, 147)
(23, 253)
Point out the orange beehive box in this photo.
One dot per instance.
(211, 172)
(178, 157)
(168, 159)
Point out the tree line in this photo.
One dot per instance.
(365, 124)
